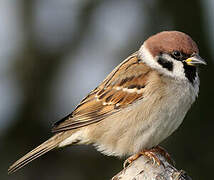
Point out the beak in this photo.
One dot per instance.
(195, 60)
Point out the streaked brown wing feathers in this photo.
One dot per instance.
(124, 85)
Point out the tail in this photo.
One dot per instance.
(48, 145)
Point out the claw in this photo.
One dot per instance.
(164, 153)
(126, 163)
(151, 155)
(131, 159)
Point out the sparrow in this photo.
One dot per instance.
(138, 105)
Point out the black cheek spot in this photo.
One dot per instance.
(190, 72)
(165, 64)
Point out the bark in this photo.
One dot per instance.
(146, 169)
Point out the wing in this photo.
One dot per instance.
(122, 87)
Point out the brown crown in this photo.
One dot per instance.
(169, 41)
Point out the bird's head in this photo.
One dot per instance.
(172, 53)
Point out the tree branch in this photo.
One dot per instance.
(146, 169)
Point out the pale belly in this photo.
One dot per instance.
(142, 126)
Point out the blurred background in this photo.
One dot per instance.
(52, 53)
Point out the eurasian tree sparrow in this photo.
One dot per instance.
(139, 104)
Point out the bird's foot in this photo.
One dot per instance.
(151, 154)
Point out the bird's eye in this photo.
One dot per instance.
(177, 55)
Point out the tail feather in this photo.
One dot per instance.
(48, 145)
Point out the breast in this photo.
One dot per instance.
(167, 114)
(146, 123)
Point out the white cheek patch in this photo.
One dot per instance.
(177, 71)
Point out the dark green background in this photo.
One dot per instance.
(36, 71)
